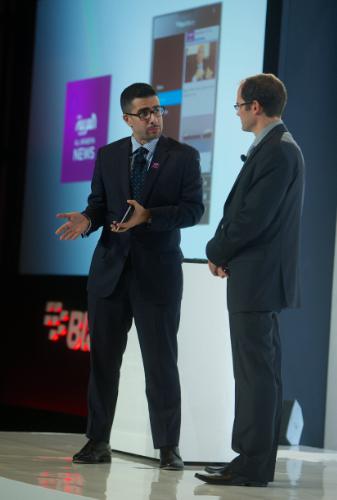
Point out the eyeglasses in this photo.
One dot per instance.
(238, 106)
(145, 113)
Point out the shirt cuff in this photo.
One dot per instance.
(86, 232)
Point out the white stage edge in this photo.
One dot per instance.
(206, 376)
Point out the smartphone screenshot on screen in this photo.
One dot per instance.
(188, 87)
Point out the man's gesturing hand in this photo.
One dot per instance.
(76, 225)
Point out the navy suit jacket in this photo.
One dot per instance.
(172, 192)
(258, 237)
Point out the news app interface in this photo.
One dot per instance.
(184, 74)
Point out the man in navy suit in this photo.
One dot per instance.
(136, 269)
(256, 246)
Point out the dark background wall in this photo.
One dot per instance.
(302, 48)
(308, 66)
(17, 24)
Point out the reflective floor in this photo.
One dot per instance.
(39, 467)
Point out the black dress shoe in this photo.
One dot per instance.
(170, 458)
(94, 452)
(230, 479)
(216, 469)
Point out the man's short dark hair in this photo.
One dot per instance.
(267, 90)
(132, 92)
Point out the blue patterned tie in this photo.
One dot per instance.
(138, 172)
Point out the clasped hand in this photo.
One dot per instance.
(139, 216)
(217, 270)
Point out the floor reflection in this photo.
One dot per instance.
(68, 482)
(45, 462)
(167, 480)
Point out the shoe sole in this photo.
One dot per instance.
(212, 479)
(102, 460)
(170, 467)
(251, 483)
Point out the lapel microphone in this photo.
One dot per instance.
(243, 157)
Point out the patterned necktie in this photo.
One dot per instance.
(138, 172)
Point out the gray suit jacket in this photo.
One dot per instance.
(258, 238)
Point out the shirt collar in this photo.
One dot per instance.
(265, 131)
(150, 146)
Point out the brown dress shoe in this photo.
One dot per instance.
(228, 478)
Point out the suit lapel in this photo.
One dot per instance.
(279, 128)
(123, 162)
(160, 157)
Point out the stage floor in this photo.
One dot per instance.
(35, 466)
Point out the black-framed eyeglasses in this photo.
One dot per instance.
(145, 113)
(238, 106)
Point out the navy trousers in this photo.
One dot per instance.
(110, 319)
(256, 351)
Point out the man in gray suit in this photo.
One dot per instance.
(256, 246)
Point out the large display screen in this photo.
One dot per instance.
(188, 88)
(194, 53)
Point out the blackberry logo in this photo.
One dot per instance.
(70, 325)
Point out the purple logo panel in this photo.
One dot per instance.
(86, 126)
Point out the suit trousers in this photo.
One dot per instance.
(256, 351)
(110, 319)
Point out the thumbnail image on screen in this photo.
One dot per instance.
(188, 87)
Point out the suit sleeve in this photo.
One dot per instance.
(96, 208)
(189, 208)
(258, 209)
